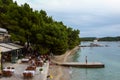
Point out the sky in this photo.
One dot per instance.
(94, 18)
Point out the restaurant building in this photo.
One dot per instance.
(9, 52)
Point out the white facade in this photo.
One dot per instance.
(4, 36)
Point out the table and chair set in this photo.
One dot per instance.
(8, 71)
(29, 72)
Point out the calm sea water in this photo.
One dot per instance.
(110, 56)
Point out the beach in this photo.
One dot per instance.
(60, 72)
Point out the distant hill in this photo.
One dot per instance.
(87, 38)
(110, 38)
(101, 39)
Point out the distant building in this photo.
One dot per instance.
(4, 36)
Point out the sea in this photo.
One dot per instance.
(108, 54)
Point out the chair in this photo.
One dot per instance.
(31, 68)
(25, 75)
(8, 67)
(30, 75)
(12, 68)
(4, 73)
(7, 73)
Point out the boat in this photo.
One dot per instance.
(95, 44)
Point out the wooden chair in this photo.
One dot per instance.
(4, 73)
(12, 68)
(8, 67)
(9, 73)
(31, 68)
(30, 75)
(25, 75)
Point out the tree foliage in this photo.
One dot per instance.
(44, 33)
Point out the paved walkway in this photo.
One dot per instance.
(20, 67)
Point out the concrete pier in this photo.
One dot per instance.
(83, 65)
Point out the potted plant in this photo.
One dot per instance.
(45, 62)
(41, 70)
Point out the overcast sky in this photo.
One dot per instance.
(94, 18)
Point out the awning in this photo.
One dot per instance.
(3, 49)
(6, 47)
(15, 45)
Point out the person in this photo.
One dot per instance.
(49, 77)
(86, 59)
(32, 62)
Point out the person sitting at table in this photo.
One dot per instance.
(33, 62)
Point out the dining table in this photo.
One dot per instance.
(30, 71)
